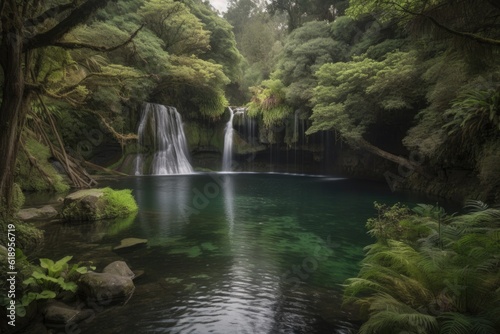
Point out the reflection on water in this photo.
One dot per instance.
(232, 253)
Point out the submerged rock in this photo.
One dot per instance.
(45, 212)
(128, 243)
(106, 288)
(57, 313)
(119, 268)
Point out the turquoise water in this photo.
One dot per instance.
(232, 253)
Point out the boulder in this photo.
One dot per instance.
(87, 204)
(56, 313)
(119, 268)
(97, 204)
(106, 288)
(43, 213)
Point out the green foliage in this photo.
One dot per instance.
(17, 198)
(387, 224)
(222, 49)
(487, 165)
(50, 279)
(195, 84)
(34, 171)
(352, 96)
(300, 11)
(304, 51)
(181, 31)
(473, 112)
(269, 102)
(443, 280)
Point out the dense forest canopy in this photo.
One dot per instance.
(427, 72)
(415, 83)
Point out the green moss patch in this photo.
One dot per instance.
(97, 204)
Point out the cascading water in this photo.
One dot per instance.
(227, 156)
(161, 136)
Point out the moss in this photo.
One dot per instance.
(17, 198)
(28, 237)
(97, 204)
(34, 171)
(120, 203)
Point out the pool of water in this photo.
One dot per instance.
(232, 253)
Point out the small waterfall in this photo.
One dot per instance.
(161, 136)
(227, 156)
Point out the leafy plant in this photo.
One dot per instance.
(444, 282)
(50, 279)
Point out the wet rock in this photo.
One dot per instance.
(106, 288)
(43, 213)
(36, 328)
(85, 204)
(129, 243)
(57, 313)
(119, 268)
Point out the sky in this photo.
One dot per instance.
(221, 5)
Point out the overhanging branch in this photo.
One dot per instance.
(76, 17)
(477, 38)
(75, 45)
(51, 13)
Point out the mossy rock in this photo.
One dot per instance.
(97, 204)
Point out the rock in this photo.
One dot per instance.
(85, 204)
(36, 328)
(128, 243)
(43, 213)
(57, 313)
(106, 288)
(97, 204)
(119, 268)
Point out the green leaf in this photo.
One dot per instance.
(46, 294)
(41, 276)
(67, 286)
(46, 263)
(29, 281)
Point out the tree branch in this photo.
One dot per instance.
(468, 35)
(76, 17)
(74, 45)
(51, 13)
(474, 37)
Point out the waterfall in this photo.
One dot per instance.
(227, 156)
(161, 136)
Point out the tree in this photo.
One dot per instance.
(469, 21)
(26, 28)
(300, 11)
(181, 31)
(304, 51)
(353, 96)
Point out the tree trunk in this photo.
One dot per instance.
(14, 103)
(15, 57)
(407, 163)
